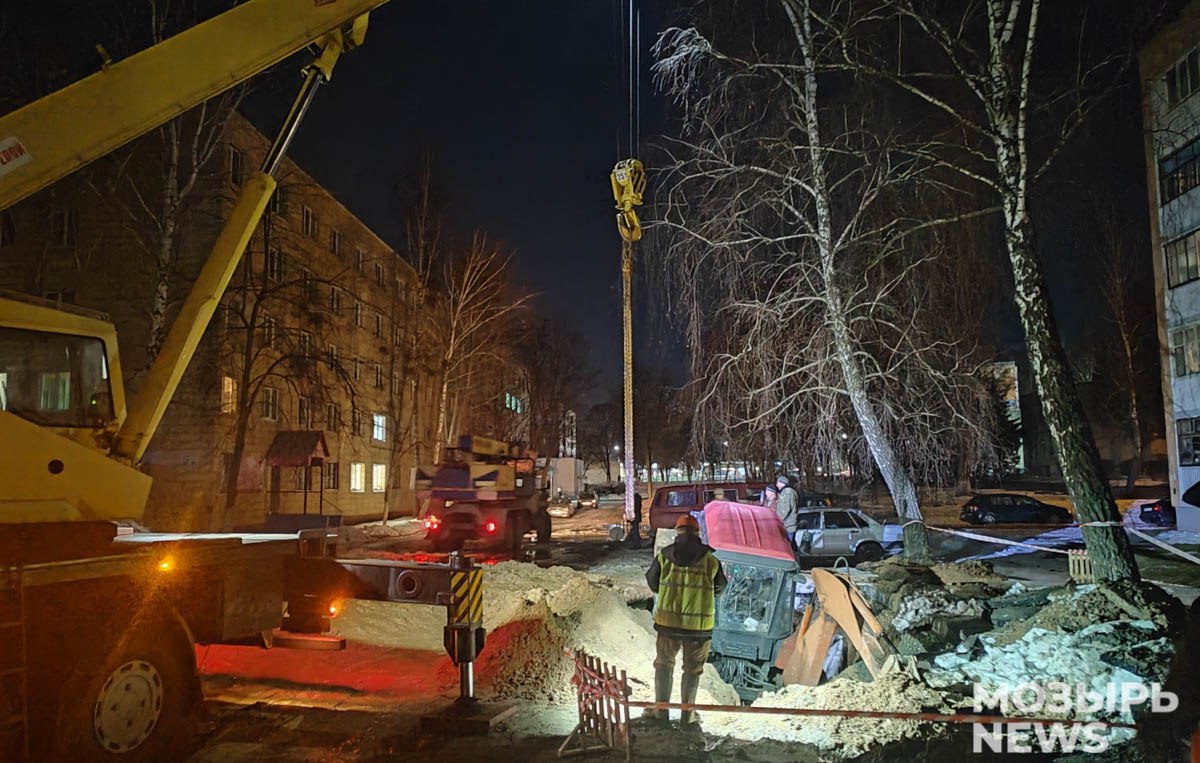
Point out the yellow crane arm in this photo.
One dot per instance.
(53, 136)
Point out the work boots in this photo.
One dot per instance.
(688, 686)
(662, 693)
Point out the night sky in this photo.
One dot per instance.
(520, 106)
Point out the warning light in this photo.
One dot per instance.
(166, 565)
(432, 521)
(489, 526)
(334, 609)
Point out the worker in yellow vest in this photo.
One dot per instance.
(687, 578)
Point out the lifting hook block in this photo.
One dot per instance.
(628, 180)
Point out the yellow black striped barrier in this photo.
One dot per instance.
(466, 597)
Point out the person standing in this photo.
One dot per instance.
(787, 507)
(686, 577)
(770, 496)
(634, 538)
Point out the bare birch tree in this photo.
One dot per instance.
(1003, 135)
(785, 202)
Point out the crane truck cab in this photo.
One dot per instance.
(485, 491)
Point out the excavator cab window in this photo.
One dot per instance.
(55, 380)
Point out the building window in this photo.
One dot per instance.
(1183, 262)
(302, 476)
(358, 477)
(1185, 350)
(308, 222)
(335, 241)
(237, 163)
(379, 273)
(358, 369)
(304, 344)
(273, 265)
(395, 384)
(331, 475)
(335, 299)
(355, 421)
(8, 231)
(270, 403)
(378, 478)
(379, 427)
(229, 394)
(1188, 431)
(1183, 79)
(513, 403)
(358, 314)
(360, 260)
(378, 376)
(270, 332)
(279, 201)
(379, 324)
(1179, 172)
(331, 355)
(64, 226)
(333, 417)
(304, 412)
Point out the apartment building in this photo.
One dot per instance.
(306, 395)
(1170, 79)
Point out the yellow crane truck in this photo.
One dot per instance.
(97, 627)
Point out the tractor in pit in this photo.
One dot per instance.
(484, 491)
(754, 614)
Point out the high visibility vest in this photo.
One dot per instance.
(685, 594)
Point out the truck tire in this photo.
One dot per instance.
(131, 699)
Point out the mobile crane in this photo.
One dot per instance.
(97, 629)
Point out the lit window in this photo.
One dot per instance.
(54, 391)
(309, 222)
(229, 394)
(378, 478)
(236, 166)
(358, 477)
(379, 427)
(270, 403)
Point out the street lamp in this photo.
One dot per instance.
(616, 449)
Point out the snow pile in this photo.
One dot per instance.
(847, 737)
(930, 604)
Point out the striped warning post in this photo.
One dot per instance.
(466, 595)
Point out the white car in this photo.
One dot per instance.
(830, 532)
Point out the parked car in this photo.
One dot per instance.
(562, 506)
(992, 508)
(1161, 513)
(672, 500)
(829, 532)
(588, 499)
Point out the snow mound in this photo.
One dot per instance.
(846, 737)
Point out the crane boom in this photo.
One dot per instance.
(53, 136)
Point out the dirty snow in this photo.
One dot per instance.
(928, 605)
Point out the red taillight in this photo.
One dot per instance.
(432, 521)
(490, 526)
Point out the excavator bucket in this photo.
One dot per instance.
(838, 605)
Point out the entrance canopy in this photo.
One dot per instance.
(297, 449)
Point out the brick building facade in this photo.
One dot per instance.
(311, 356)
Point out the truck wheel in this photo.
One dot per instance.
(868, 551)
(132, 701)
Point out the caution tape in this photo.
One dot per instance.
(466, 597)
(1001, 541)
(1165, 546)
(1005, 542)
